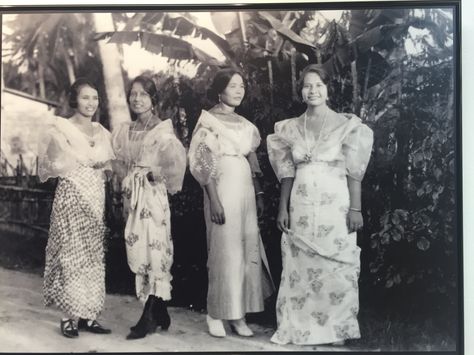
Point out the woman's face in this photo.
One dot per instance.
(234, 92)
(140, 100)
(314, 91)
(87, 101)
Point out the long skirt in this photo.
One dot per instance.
(237, 266)
(318, 297)
(74, 276)
(148, 235)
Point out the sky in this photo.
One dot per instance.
(137, 60)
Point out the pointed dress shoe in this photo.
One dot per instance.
(69, 328)
(92, 326)
(240, 328)
(216, 327)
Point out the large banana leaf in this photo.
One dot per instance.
(181, 25)
(166, 45)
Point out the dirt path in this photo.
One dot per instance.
(27, 326)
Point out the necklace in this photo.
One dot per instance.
(89, 137)
(232, 117)
(140, 152)
(309, 154)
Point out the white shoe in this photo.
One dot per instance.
(216, 327)
(240, 327)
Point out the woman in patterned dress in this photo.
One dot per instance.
(222, 159)
(152, 161)
(320, 158)
(78, 151)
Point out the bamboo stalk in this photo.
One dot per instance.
(293, 74)
(355, 88)
(366, 85)
(366, 79)
(242, 27)
(270, 71)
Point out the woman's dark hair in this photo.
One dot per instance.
(317, 69)
(76, 88)
(150, 88)
(220, 82)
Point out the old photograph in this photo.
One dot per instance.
(231, 178)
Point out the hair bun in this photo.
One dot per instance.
(212, 94)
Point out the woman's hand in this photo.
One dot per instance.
(354, 221)
(108, 175)
(260, 205)
(283, 220)
(217, 212)
(150, 177)
(98, 165)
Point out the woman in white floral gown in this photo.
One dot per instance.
(153, 162)
(77, 151)
(320, 158)
(222, 159)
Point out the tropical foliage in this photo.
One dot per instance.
(393, 67)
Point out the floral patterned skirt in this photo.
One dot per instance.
(148, 235)
(318, 297)
(74, 276)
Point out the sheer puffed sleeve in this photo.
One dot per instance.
(106, 154)
(164, 154)
(120, 142)
(203, 155)
(121, 150)
(54, 153)
(357, 147)
(252, 156)
(279, 152)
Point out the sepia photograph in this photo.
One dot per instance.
(231, 178)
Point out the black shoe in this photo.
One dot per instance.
(161, 315)
(147, 323)
(69, 329)
(95, 327)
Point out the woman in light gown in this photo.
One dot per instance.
(77, 151)
(320, 159)
(152, 161)
(222, 159)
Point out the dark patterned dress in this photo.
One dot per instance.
(74, 276)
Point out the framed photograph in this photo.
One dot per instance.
(232, 178)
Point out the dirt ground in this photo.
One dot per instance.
(27, 326)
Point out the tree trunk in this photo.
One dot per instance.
(41, 66)
(41, 80)
(112, 70)
(70, 67)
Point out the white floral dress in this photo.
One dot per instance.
(237, 266)
(318, 296)
(148, 229)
